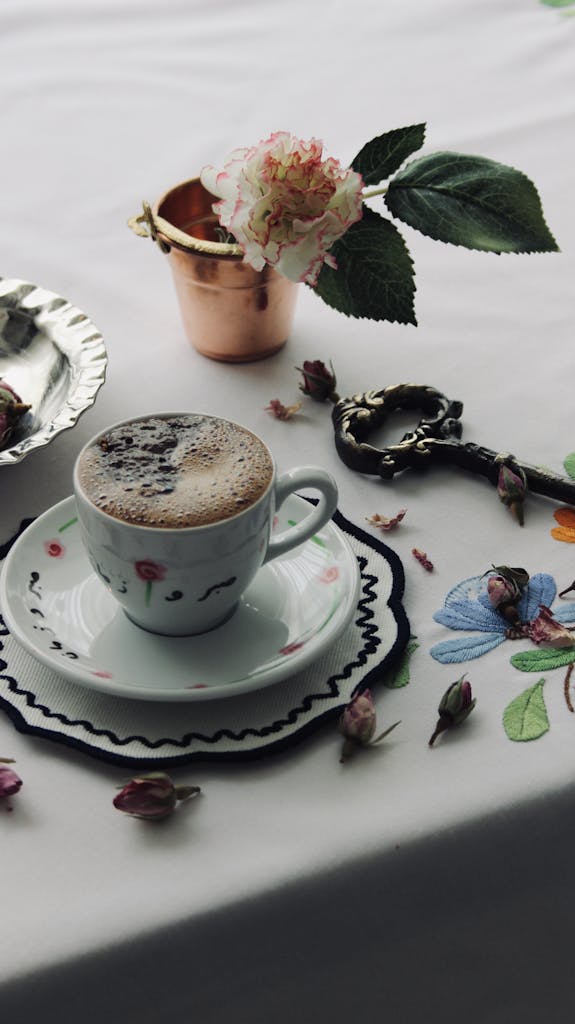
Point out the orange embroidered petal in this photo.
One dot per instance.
(564, 533)
(565, 517)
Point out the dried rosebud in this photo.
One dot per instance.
(514, 573)
(357, 724)
(545, 631)
(358, 720)
(281, 411)
(504, 589)
(455, 705)
(501, 591)
(383, 523)
(152, 796)
(318, 382)
(11, 409)
(512, 488)
(10, 783)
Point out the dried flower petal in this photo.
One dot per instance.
(383, 523)
(422, 559)
(281, 411)
(545, 631)
(152, 796)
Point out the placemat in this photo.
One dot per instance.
(144, 733)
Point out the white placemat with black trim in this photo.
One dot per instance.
(144, 733)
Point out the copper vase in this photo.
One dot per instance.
(230, 312)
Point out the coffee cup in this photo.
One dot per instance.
(176, 512)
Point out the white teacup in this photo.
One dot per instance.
(176, 558)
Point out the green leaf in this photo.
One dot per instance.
(374, 276)
(543, 660)
(384, 155)
(526, 717)
(569, 461)
(558, 3)
(398, 675)
(470, 201)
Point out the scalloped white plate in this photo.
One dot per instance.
(54, 358)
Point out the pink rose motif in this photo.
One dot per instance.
(54, 549)
(149, 571)
(329, 575)
(284, 204)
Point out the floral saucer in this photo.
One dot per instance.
(61, 612)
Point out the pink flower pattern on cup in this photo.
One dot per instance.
(329, 575)
(149, 572)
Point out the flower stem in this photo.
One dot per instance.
(441, 726)
(374, 192)
(566, 687)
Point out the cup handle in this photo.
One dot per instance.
(320, 514)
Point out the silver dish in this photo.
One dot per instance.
(54, 358)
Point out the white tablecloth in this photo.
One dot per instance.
(411, 883)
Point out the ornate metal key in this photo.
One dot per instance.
(436, 439)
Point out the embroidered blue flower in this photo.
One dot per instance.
(467, 607)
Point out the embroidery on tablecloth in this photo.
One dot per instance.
(525, 718)
(467, 607)
(566, 516)
(559, 3)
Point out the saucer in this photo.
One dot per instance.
(61, 612)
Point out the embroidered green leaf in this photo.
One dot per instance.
(526, 717)
(569, 460)
(542, 660)
(470, 201)
(374, 276)
(384, 155)
(558, 3)
(398, 675)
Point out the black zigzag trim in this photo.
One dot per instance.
(365, 621)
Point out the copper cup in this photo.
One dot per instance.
(230, 312)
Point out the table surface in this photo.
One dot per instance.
(296, 884)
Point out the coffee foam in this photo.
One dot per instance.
(176, 471)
